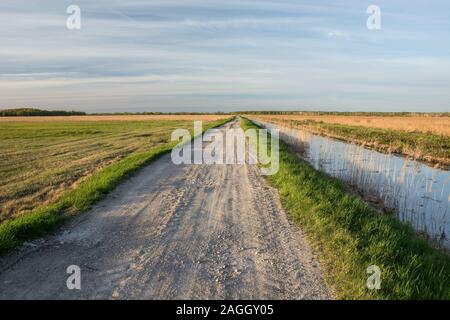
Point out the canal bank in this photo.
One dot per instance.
(411, 190)
(349, 236)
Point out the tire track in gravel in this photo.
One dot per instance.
(173, 232)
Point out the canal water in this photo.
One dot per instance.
(415, 192)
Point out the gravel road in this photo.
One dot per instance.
(173, 232)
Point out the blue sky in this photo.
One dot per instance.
(208, 55)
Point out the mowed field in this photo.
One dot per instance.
(42, 157)
(103, 118)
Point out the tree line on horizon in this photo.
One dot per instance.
(348, 113)
(30, 112)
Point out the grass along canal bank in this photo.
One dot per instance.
(428, 147)
(349, 236)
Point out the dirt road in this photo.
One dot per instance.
(173, 232)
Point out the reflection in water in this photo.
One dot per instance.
(417, 193)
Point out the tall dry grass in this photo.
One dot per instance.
(435, 125)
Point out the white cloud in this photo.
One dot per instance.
(169, 53)
(338, 34)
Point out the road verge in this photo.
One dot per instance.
(45, 219)
(349, 236)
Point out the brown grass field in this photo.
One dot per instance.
(427, 124)
(96, 118)
(42, 157)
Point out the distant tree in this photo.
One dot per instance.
(30, 112)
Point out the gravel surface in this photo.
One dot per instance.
(173, 232)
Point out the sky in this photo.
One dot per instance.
(208, 55)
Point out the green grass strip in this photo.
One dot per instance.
(348, 236)
(44, 219)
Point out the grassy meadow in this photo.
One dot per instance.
(40, 160)
(51, 168)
